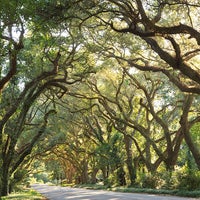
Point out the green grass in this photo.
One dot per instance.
(24, 195)
(182, 193)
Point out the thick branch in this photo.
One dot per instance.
(35, 139)
(175, 80)
(12, 57)
(184, 68)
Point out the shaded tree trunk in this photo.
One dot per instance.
(192, 146)
(5, 180)
(129, 160)
(186, 130)
(121, 177)
(9, 164)
(93, 175)
(105, 173)
(84, 174)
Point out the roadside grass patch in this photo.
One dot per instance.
(195, 193)
(92, 186)
(182, 193)
(26, 194)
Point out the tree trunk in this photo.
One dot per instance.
(192, 147)
(93, 175)
(105, 174)
(5, 176)
(186, 130)
(129, 160)
(5, 181)
(121, 177)
(84, 174)
(172, 158)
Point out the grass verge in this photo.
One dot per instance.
(182, 193)
(27, 194)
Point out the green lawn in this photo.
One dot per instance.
(24, 195)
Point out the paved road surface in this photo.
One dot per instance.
(67, 193)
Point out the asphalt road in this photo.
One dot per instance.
(67, 193)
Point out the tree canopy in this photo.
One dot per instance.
(101, 90)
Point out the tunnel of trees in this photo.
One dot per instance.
(100, 90)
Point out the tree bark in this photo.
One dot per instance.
(186, 130)
(93, 175)
(84, 174)
(191, 145)
(129, 160)
(5, 180)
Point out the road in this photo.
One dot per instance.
(67, 193)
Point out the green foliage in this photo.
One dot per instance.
(117, 178)
(189, 180)
(169, 179)
(61, 48)
(109, 153)
(195, 131)
(42, 177)
(181, 179)
(148, 180)
(39, 173)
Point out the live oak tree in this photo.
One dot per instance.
(122, 106)
(149, 36)
(161, 30)
(164, 27)
(156, 45)
(122, 109)
(89, 147)
(34, 66)
(49, 47)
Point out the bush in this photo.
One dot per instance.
(117, 178)
(190, 180)
(182, 179)
(149, 180)
(169, 180)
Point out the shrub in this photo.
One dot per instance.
(190, 180)
(169, 179)
(149, 180)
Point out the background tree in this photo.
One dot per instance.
(121, 106)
